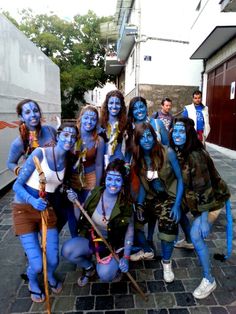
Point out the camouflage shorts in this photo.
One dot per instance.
(160, 209)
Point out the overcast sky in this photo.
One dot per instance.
(65, 9)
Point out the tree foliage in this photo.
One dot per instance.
(75, 46)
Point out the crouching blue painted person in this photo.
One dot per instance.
(27, 207)
(158, 188)
(111, 211)
(205, 194)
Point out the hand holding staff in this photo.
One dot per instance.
(77, 203)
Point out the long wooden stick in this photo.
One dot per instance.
(137, 287)
(44, 215)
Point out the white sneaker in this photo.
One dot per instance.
(168, 272)
(141, 255)
(204, 289)
(183, 244)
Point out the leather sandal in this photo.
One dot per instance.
(37, 297)
(57, 288)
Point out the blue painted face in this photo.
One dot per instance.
(147, 140)
(113, 182)
(31, 115)
(139, 111)
(89, 120)
(179, 134)
(67, 138)
(114, 106)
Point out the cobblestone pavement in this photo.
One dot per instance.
(120, 297)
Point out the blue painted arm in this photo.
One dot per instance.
(185, 113)
(129, 237)
(72, 197)
(15, 153)
(176, 211)
(24, 175)
(141, 195)
(229, 230)
(99, 161)
(163, 132)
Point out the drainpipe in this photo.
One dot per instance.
(204, 82)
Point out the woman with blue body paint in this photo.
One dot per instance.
(27, 206)
(111, 211)
(204, 195)
(138, 113)
(32, 134)
(158, 188)
(113, 121)
(86, 163)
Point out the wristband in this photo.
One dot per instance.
(126, 257)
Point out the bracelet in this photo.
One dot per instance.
(126, 257)
(16, 170)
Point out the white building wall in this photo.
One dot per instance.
(169, 65)
(206, 19)
(97, 96)
(25, 72)
(170, 62)
(130, 72)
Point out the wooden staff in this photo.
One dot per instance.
(137, 287)
(44, 216)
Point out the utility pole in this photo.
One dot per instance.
(137, 55)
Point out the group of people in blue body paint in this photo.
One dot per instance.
(128, 170)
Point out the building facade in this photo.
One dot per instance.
(214, 34)
(152, 56)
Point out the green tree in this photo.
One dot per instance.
(75, 46)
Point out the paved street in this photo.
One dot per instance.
(120, 297)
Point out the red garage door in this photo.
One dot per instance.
(222, 109)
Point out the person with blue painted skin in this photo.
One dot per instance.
(86, 164)
(32, 134)
(110, 208)
(27, 206)
(113, 121)
(157, 186)
(204, 195)
(138, 113)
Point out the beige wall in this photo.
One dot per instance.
(180, 95)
